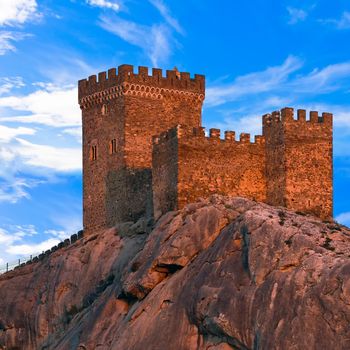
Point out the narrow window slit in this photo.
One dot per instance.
(93, 153)
(113, 146)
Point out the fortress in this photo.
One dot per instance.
(145, 151)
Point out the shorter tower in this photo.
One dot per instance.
(299, 161)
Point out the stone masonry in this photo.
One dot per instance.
(121, 112)
(145, 152)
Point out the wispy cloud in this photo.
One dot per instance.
(329, 78)
(113, 5)
(344, 218)
(296, 15)
(340, 23)
(58, 159)
(281, 80)
(9, 83)
(156, 40)
(253, 83)
(12, 238)
(28, 249)
(50, 105)
(7, 134)
(16, 12)
(7, 40)
(166, 14)
(15, 190)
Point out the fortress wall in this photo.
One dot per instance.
(208, 165)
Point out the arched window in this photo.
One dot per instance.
(104, 110)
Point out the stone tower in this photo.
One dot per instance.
(121, 111)
(299, 161)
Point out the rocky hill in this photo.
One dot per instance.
(225, 273)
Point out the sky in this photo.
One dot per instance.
(258, 56)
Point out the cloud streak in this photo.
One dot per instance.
(253, 83)
(154, 40)
(281, 80)
(7, 40)
(341, 23)
(165, 13)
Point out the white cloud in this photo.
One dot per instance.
(7, 134)
(58, 159)
(165, 12)
(16, 242)
(9, 83)
(344, 218)
(51, 105)
(16, 189)
(342, 23)
(14, 12)
(296, 15)
(323, 80)
(279, 80)
(8, 38)
(29, 249)
(253, 83)
(104, 4)
(60, 234)
(154, 40)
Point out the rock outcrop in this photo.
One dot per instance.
(224, 273)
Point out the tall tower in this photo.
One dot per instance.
(121, 112)
(299, 161)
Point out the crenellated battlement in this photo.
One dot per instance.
(184, 132)
(124, 81)
(287, 115)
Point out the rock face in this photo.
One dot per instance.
(226, 273)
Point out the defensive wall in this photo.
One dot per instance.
(40, 257)
(290, 165)
(187, 165)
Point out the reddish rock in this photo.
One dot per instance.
(227, 273)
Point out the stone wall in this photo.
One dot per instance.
(208, 165)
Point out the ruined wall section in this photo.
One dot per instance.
(305, 161)
(130, 108)
(209, 165)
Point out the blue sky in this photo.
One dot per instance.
(258, 56)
